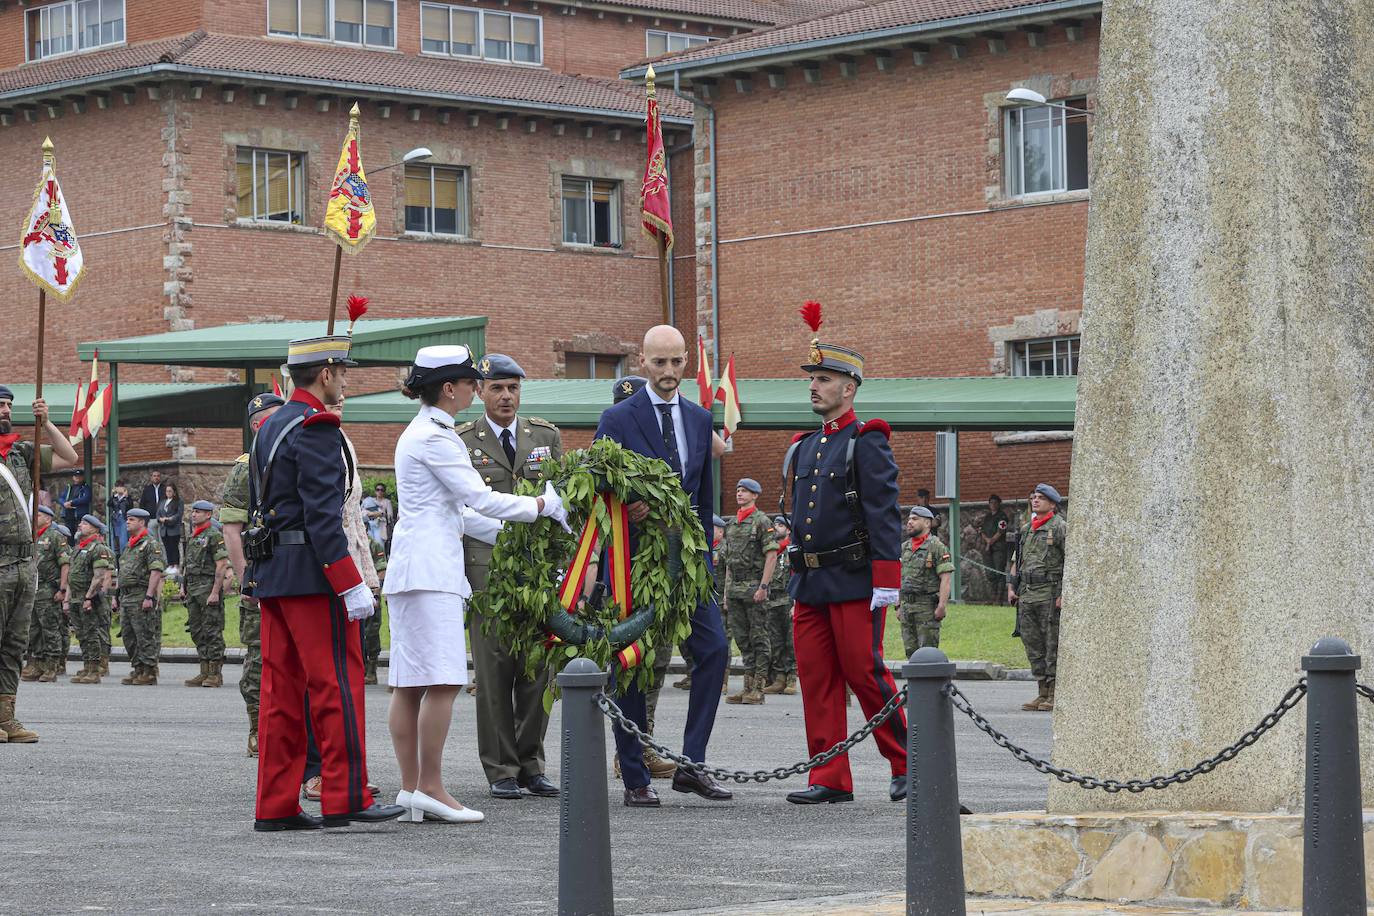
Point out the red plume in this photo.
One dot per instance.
(357, 307)
(811, 314)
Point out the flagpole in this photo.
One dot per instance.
(38, 389)
(334, 292)
(663, 275)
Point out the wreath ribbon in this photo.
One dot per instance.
(619, 559)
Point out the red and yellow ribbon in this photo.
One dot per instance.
(618, 556)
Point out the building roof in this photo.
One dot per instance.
(759, 12)
(874, 22)
(266, 61)
(159, 405)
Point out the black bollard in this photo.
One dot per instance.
(1333, 824)
(584, 834)
(934, 845)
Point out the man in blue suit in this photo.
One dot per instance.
(656, 421)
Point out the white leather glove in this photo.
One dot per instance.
(884, 597)
(358, 600)
(553, 507)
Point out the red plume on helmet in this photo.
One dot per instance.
(357, 308)
(811, 314)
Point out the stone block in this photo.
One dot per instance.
(1211, 866)
(1029, 863)
(1276, 863)
(1136, 868)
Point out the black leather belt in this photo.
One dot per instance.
(1031, 578)
(291, 538)
(20, 551)
(849, 553)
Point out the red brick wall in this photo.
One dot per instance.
(144, 20)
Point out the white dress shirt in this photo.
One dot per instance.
(498, 430)
(679, 428)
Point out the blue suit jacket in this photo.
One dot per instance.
(634, 424)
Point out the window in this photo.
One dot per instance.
(591, 213)
(271, 185)
(656, 42)
(359, 22)
(436, 200)
(595, 365)
(1046, 149)
(80, 25)
(481, 33)
(1050, 356)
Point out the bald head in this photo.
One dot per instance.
(664, 358)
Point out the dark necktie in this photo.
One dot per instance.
(670, 438)
(509, 446)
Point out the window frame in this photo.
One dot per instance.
(481, 36)
(692, 41)
(332, 25)
(295, 160)
(617, 228)
(462, 218)
(72, 8)
(1013, 147)
(591, 364)
(1020, 355)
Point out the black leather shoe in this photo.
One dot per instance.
(298, 821)
(374, 815)
(506, 788)
(644, 797)
(819, 795)
(897, 791)
(540, 785)
(700, 784)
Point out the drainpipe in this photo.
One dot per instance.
(672, 261)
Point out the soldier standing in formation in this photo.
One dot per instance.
(372, 627)
(750, 557)
(47, 629)
(141, 567)
(88, 588)
(926, 573)
(993, 530)
(1037, 577)
(233, 514)
(511, 722)
(205, 567)
(782, 657)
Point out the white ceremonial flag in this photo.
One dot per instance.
(48, 250)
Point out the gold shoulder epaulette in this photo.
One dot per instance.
(241, 458)
(540, 421)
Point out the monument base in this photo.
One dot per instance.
(1244, 861)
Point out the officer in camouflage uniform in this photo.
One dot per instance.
(18, 572)
(782, 655)
(233, 514)
(751, 556)
(88, 587)
(993, 529)
(140, 600)
(926, 572)
(372, 626)
(47, 630)
(205, 566)
(1037, 577)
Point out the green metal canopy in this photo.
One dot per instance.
(145, 404)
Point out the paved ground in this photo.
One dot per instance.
(895, 905)
(140, 800)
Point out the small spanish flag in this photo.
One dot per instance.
(729, 393)
(349, 219)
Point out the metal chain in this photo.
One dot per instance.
(1290, 699)
(1366, 692)
(612, 712)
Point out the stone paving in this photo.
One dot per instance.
(894, 905)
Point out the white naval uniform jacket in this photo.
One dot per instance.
(440, 498)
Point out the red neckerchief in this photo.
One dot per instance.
(742, 514)
(716, 543)
(42, 531)
(86, 543)
(782, 545)
(306, 398)
(839, 423)
(1036, 523)
(6, 443)
(133, 541)
(917, 542)
(195, 533)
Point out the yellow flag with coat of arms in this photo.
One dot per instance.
(349, 218)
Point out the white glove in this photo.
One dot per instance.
(358, 600)
(884, 597)
(553, 507)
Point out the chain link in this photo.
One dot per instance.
(1290, 699)
(612, 712)
(1366, 692)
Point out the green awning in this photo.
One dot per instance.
(158, 404)
(376, 342)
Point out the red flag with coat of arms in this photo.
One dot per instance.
(655, 204)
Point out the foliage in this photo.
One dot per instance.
(528, 561)
(370, 482)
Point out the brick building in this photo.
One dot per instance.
(869, 159)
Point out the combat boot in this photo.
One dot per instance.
(199, 678)
(213, 678)
(90, 675)
(81, 676)
(791, 689)
(754, 695)
(659, 768)
(135, 672)
(370, 672)
(30, 672)
(738, 698)
(47, 673)
(1047, 704)
(1034, 705)
(252, 731)
(149, 677)
(685, 683)
(104, 663)
(778, 686)
(15, 732)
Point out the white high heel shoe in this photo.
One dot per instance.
(421, 805)
(403, 798)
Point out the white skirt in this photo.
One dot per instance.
(428, 640)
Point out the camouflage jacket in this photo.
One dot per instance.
(777, 589)
(378, 556)
(51, 552)
(747, 544)
(137, 564)
(922, 566)
(88, 556)
(16, 531)
(1040, 562)
(202, 552)
(233, 507)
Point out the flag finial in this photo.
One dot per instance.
(649, 81)
(48, 155)
(353, 114)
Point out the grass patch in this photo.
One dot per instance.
(971, 632)
(174, 633)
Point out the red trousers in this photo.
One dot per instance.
(308, 642)
(839, 644)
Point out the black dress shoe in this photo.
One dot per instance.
(700, 784)
(373, 815)
(819, 795)
(644, 797)
(541, 786)
(897, 791)
(297, 821)
(506, 788)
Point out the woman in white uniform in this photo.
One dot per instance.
(440, 497)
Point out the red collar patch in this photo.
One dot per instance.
(833, 426)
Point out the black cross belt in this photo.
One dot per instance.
(849, 553)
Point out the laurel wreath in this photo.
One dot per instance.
(528, 562)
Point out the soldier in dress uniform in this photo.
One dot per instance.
(18, 572)
(205, 567)
(1036, 583)
(926, 573)
(511, 722)
(782, 658)
(47, 630)
(233, 513)
(749, 558)
(141, 568)
(89, 586)
(846, 571)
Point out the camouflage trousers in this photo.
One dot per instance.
(749, 627)
(1038, 620)
(250, 634)
(782, 654)
(372, 635)
(919, 626)
(93, 628)
(142, 630)
(47, 629)
(661, 660)
(205, 623)
(17, 585)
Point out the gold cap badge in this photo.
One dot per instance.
(485, 365)
(816, 351)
